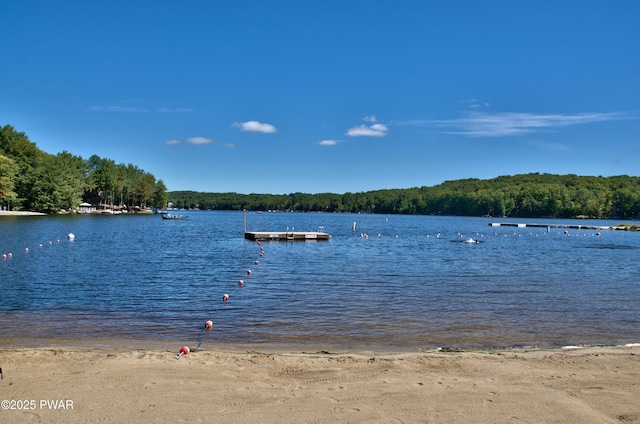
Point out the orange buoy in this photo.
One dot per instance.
(208, 325)
(225, 297)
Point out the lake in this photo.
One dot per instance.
(395, 283)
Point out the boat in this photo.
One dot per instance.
(173, 217)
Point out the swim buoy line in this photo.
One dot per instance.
(9, 255)
(208, 325)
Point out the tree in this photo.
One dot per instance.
(159, 199)
(8, 171)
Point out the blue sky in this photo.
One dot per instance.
(327, 96)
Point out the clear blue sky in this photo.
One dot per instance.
(327, 96)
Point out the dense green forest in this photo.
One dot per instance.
(31, 179)
(528, 195)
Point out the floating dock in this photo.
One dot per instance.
(286, 235)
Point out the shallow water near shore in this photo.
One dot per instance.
(395, 283)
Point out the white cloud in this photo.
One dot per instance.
(172, 142)
(327, 143)
(255, 126)
(375, 130)
(481, 124)
(229, 145)
(370, 118)
(199, 140)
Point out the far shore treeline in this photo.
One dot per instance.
(528, 195)
(33, 180)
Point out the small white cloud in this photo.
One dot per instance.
(172, 142)
(375, 130)
(199, 140)
(370, 118)
(475, 103)
(327, 143)
(229, 145)
(255, 126)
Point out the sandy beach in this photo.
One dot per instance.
(79, 385)
(21, 213)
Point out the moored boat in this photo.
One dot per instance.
(173, 217)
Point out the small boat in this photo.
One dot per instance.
(173, 217)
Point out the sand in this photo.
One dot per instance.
(80, 385)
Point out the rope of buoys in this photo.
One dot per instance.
(208, 325)
(9, 255)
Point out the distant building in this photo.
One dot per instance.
(86, 208)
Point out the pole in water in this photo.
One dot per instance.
(353, 226)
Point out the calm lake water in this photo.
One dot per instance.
(411, 284)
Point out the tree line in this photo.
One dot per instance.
(525, 195)
(31, 179)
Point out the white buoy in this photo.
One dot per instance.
(71, 236)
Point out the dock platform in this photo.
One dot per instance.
(286, 235)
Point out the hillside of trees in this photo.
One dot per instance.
(31, 179)
(527, 195)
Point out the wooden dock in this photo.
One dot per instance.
(286, 235)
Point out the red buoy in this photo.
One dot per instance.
(248, 272)
(208, 325)
(184, 350)
(240, 282)
(225, 297)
